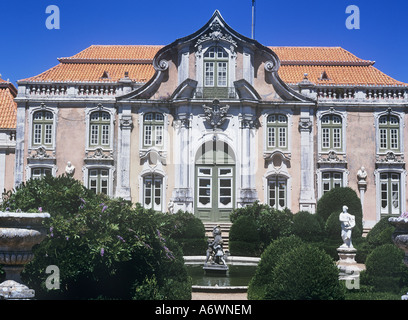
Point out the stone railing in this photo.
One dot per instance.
(362, 94)
(335, 93)
(96, 90)
(377, 94)
(47, 90)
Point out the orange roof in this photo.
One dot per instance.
(108, 63)
(8, 108)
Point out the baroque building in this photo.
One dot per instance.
(215, 121)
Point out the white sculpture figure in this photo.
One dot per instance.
(69, 169)
(348, 222)
(362, 174)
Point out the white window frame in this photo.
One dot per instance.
(337, 168)
(277, 148)
(163, 147)
(99, 166)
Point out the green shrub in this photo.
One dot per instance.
(188, 231)
(104, 248)
(271, 223)
(305, 273)
(307, 226)
(385, 270)
(263, 274)
(333, 202)
(244, 237)
(381, 233)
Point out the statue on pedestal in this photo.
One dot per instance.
(215, 261)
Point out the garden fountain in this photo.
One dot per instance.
(400, 237)
(221, 272)
(19, 232)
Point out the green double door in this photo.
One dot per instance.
(214, 182)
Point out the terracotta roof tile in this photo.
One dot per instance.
(8, 107)
(341, 66)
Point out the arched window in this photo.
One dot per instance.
(100, 122)
(277, 132)
(43, 122)
(216, 72)
(153, 129)
(389, 133)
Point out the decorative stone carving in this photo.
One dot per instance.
(99, 154)
(348, 222)
(19, 232)
(40, 153)
(390, 157)
(126, 122)
(216, 35)
(215, 115)
(305, 124)
(332, 157)
(269, 66)
(215, 261)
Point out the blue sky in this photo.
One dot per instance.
(29, 48)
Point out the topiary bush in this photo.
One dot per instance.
(307, 226)
(188, 231)
(381, 233)
(385, 270)
(333, 202)
(270, 222)
(244, 237)
(264, 271)
(305, 273)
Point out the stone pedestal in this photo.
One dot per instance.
(349, 270)
(215, 268)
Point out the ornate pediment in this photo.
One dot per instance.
(216, 32)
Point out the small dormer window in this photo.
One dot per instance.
(105, 75)
(324, 76)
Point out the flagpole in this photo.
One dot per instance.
(253, 20)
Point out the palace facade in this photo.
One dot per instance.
(215, 121)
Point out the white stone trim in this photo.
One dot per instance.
(288, 112)
(280, 171)
(99, 165)
(40, 164)
(149, 170)
(31, 110)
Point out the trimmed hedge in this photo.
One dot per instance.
(333, 202)
(244, 237)
(307, 226)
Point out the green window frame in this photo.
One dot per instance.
(389, 133)
(277, 132)
(99, 129)
(277, 192)
(153, 192)
(216, 72)
(153, 130)
(390, 193)
(98, 180)
(40, 172)
(331, 133)
(330, 180)
(43, 124)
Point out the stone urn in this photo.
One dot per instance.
(19, 232)
(400, 236)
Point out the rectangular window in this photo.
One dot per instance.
(222, 74)
(282, 137)
(37, 133)
(390, 193)
(209, 74)
(94, 134)
(204, 187)
(337, 138)
(271, 137)
(159, 135)
(326, 138)
(148, 135)
(105, 135)
(394, 138)
(383, 138)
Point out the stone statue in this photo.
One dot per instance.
(348, 222)
(215, 252)
(69, 169)
(362, 174)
